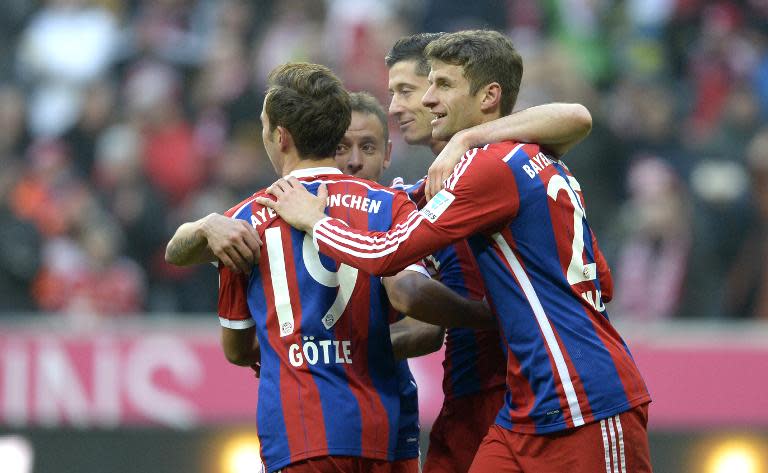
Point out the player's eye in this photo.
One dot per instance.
(341, 149)
(368, 148)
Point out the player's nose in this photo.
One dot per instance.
(355, 162)
(429, 100)
(395, 108)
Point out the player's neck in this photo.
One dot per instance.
(293, 162)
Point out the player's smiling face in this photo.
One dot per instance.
(452, 107)
(406, 88)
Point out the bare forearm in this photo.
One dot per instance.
(189, 246)
(557, 126)
(431, 302)
(412, 338)
(241, 347)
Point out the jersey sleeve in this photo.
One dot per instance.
(481, 194)
(603, 272)
(233, 304)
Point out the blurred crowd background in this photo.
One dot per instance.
(119, 120)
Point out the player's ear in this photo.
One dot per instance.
(284, 138)
(387, 155)
(491, 97)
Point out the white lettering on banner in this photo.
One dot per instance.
(53, 381)
(162, 353)
(106, 386)
(317, 351)
(15, 382)
(58, 388)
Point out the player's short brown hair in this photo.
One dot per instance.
(486, 56)
(311, 103)
(363, 102)
(411, 48)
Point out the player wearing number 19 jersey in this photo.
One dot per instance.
(329, 394)
(329, 384)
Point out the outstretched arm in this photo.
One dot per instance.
(412, 338)
(215, 237)
(432, 302)
(558, 127)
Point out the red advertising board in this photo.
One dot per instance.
(174, 374)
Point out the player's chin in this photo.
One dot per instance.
(441, 133)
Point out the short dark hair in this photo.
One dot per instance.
(311, 103)
(411, 48)
(363, 102)
(486, 56)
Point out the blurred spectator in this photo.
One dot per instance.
(171, 159)
(123, 188)
(651, 266)
(118, 120)
(67, 44)
(13, 133)
(20, 244)
(747, 283)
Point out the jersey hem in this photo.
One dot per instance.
(563, 425)
(236, 324)
(325, 452)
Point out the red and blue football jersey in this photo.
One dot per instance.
(329, 382)
(474, 359)
(524, 215)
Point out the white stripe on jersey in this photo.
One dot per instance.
(274, 243)
(327, 236)
(350, 181)
(236, 324)
(245, 204)
(372, 243)
(512, 153)
(549, 336)
(333, 235)
(460, 169)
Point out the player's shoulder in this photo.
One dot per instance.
(346, 181)
(507, 150)
(246, 205)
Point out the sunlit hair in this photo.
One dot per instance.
(486, 56)
(311, 103)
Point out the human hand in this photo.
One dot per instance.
(233, 241)
(295, 204)
(443, 165)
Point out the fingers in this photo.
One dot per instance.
(227, 261)
(239, 260)
(266, 202)
(322, 191)
(278, 188)
(252, 242)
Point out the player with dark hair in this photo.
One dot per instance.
(474, 368)
(575, 399)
